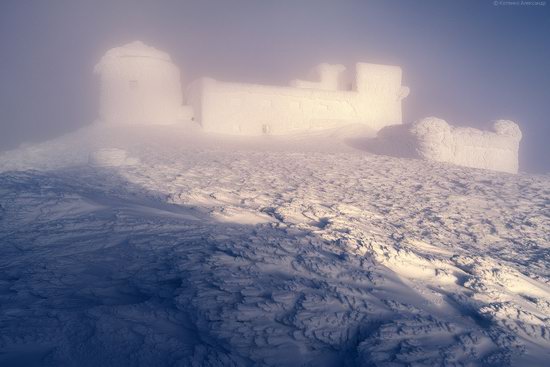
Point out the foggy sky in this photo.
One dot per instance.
(468, 62)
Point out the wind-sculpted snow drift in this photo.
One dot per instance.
(111, 157)
(211, 255)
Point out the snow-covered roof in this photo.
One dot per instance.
(136, 49)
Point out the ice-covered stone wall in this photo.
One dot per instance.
(434, 139)
(139, 85)
(374, 99)
(496, 150)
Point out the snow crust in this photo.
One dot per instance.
(110, 157)
(263, 252)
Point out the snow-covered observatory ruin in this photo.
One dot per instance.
(434, 139)
(373, 98)
(139, 85)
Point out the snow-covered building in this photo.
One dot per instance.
(139, 85)
(372, 98)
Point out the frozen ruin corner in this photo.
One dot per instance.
(436, 140)
(508, 128)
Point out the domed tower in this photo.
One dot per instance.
(139, 85)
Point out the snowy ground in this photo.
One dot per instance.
(216, 252)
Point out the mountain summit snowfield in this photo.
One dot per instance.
(174, 247)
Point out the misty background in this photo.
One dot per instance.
(468, 62)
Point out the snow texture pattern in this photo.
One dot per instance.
(213, 256)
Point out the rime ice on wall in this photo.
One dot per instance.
(496, 150)
(374, 99)
(139, 85)
(434, 139)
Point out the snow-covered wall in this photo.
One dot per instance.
(139, 85)
(374, 99)
(434, 139)
(496, 150)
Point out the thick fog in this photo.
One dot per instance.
(468, 62)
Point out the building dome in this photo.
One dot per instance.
(139, 85)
